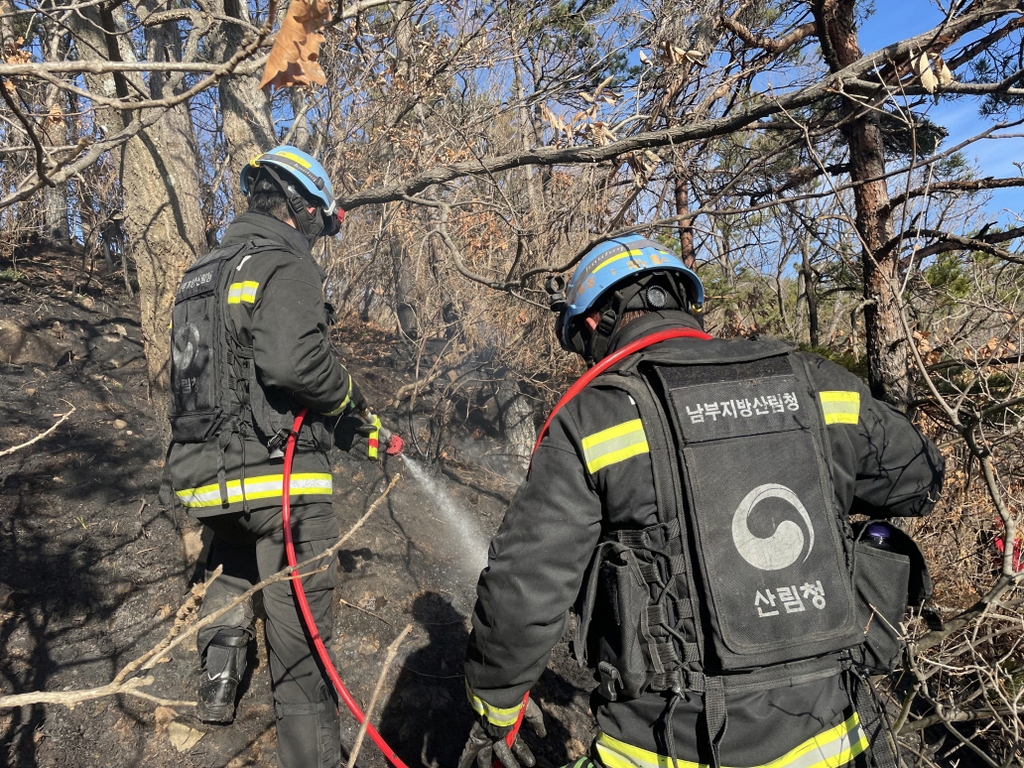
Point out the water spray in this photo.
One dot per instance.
(455, 517)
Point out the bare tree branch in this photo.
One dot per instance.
(779, 45)
(389, 659)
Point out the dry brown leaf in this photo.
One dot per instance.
(922, 67)
(182, 737)
(551, 118)
(294, 58)
(604, 84)
(673, 54)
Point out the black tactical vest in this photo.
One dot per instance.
(746, 579)
(204, 376)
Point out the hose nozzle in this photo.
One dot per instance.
(381, 435)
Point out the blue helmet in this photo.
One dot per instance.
(621, 261)
(304, 180)
(303, 168)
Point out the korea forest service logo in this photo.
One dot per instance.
(784, 546)
(186, 344)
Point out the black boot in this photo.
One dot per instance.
(223, 667)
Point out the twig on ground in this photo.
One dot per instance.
(389, 659)
(368, 613)
(37, 438)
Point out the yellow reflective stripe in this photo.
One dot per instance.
(834, 748)
(344, 403)
(615, 444)
(259, 487)
(613, 259)
(498, 716)
(840, 407)
(293, 158)
(239, 293)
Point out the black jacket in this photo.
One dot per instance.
(275, 308)
(882, 466)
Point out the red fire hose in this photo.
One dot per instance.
(300, 594)
(306, 614)
(608, 362)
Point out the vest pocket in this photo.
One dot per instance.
(880, 580)
(196, 411)
(622, 667)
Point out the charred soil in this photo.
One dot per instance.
(94, 568)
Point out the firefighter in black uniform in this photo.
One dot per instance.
(691, 505)
(250, 348)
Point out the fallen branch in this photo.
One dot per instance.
(71, 698)
(377, 616)
(37, 438)
(389, 659)
(182, 630)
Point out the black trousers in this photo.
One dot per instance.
(250, 547)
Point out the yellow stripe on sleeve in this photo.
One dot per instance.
(502, 717)
(840, 407)
(615, 444)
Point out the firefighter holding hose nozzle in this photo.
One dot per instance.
(250, 350)
(689, 502)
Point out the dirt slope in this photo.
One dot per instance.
(93, 567)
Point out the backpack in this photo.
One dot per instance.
(204, 379)
(702, 601)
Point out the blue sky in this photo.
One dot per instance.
(899, 19)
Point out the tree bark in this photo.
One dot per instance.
(682, 199)
(405, 287)
(516, 417)
(809, 284)
(887, 352)
(245, 109)
(55, 128)
(405, 300)
(159, 182)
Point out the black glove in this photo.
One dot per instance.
(351, 435)
(356, 401)
(486, 742)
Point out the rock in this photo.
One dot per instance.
(6, 593)
(193, 543)
(120, 423)
(12, 339)
(20, 345)
(182, 737)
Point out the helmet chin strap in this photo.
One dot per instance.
(311, 225)
(602, 334)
